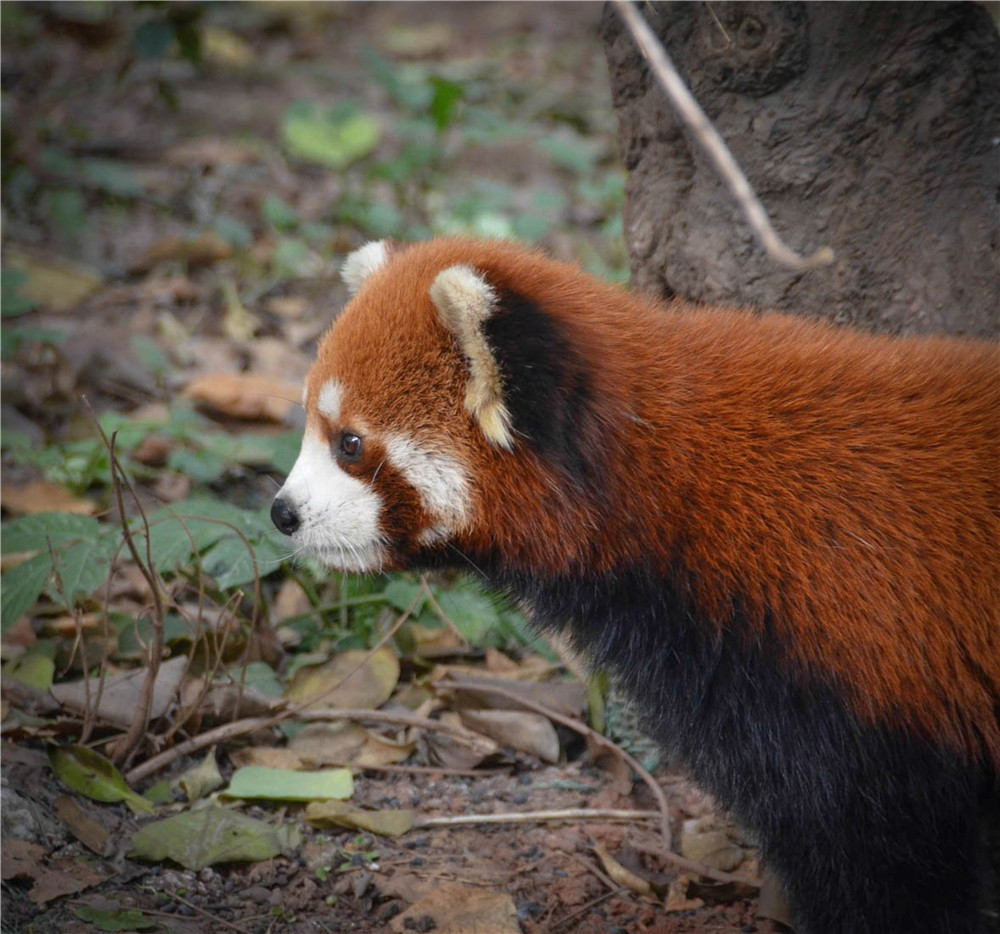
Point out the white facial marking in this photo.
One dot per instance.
(439, 478)
(339, 514)
(329, 400)
(360, 264)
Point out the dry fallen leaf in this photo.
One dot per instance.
(50, 879)
(291, 600)
(43, 496)
(203, 250)
(202, 778)
(677, 898)
(622, 876)
(386, 822)
(208, 151)
(346, 744)
(354, 678)
(120, 697)
(460, 909)
(771, 903)
(455, 752)
(272, 757)
(406, 886)
(90, 832)
(244, 396)
(704, 841)
(515, 729)
(52, 281)
(563, 697)
(609, 760)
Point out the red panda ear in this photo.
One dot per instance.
(465, 301)
(360, 264)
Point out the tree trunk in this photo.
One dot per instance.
(873, 128)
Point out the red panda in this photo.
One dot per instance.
(783, 538)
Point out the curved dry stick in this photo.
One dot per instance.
(583, 730)
(534, 817)
(125, 745)
(713, 144)
(251, 724)
(664, 809)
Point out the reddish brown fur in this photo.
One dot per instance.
(840, 477)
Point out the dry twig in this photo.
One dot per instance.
(533, 817)
(583, 730)
(128, 743)
(712, 143)
(230, 731)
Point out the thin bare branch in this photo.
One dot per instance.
(128, 743)
(252, 724)
(584, 730)
(713, 144)
(534, 817)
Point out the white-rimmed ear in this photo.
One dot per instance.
(360, 264)
(465, 301)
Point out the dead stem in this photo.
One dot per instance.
(532, 817)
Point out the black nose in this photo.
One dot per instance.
(284, 517)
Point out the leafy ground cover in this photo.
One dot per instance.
(200, 732)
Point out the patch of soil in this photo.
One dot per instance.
(351, 882)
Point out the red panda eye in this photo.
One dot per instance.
(349, 447)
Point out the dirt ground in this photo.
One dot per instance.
(192, 135)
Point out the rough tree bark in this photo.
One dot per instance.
(873, 128)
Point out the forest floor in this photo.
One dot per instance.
(180, 183)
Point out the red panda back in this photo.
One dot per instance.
(783, 538)
(845, 484)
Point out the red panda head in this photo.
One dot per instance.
(404, 404)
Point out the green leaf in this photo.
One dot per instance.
(118, 919)
(408, 87)
(160, 792)
(113, 178)
(12, 302)
(34, 668)
(279, 213)
(260, 676)
(258, 781)
(229, 561)
(290, 257)
(332, 138)
(152, 357)
(137, 634)
(211, 835)
(153, 39)
(83, 567)
(67, 209)
(473, 613)
(188, 528)
(447, 94)
(22, 585)
(174, 541)
(92, 775)
(233, 231)
(12, 338)
(189, 40)
(572, 155)
(401, 593)
(285, 451)
(200, 465)
(35, 533)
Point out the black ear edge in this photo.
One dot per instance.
(547, 386)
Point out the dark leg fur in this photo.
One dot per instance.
(874, 831)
